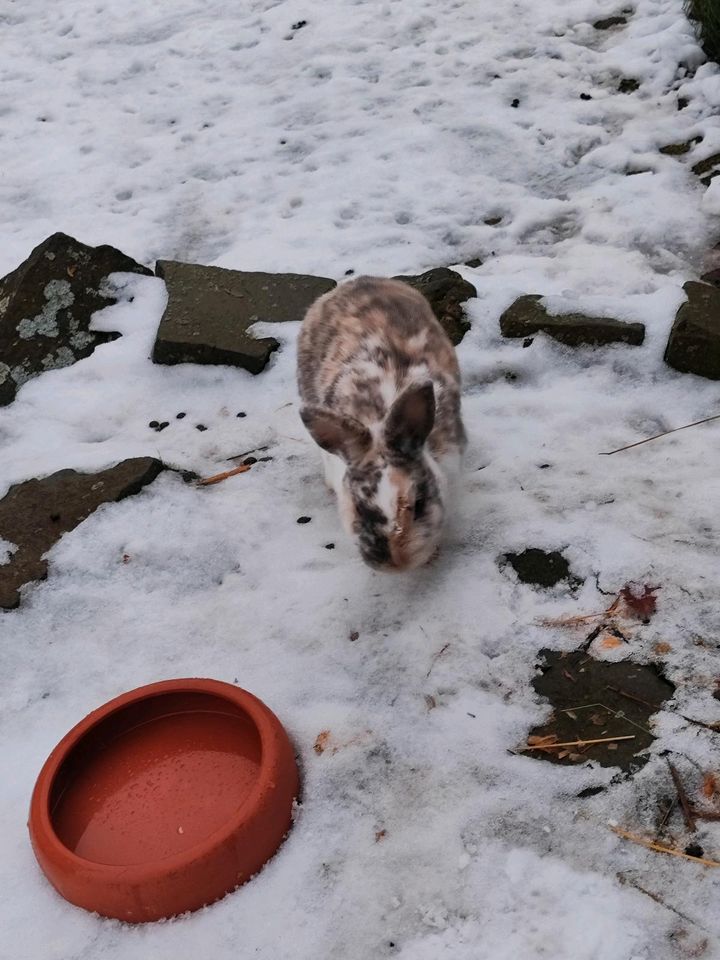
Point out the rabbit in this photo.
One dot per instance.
(379, 384)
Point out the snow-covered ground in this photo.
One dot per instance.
(378, 138)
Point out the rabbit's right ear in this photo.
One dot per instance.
(343, 436)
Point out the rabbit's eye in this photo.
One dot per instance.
(420, 507)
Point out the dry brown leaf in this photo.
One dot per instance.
(641, 605)
(609, 642)
(380, 835)
(710, 786)
(662, 648)
(321, 741)
(546, 741)
(430, 701)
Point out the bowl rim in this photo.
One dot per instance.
(40, 822)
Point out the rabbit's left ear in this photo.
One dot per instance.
(411, 418)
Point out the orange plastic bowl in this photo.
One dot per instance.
(164, 800)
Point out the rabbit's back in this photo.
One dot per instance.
(361, 344)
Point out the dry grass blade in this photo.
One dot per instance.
(661, 848)
(696, 423)
(219, 477)
(571, 621)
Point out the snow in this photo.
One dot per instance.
(379, 137)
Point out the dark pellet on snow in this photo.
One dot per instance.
(694, 850)
(264, 459)
(299, 25)
(241, 414)
(349, 273)
(153, 424)
(161, 426)
(515, 103)
(304, 519)
(354, 636)
(179, 416)
(585, 96)
(329, 546)
(527, 341)
(200, 426)
(249, 461)
(544, 466)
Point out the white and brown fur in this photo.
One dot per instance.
(380, 389)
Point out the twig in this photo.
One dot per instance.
(705, 814)
(575, 743)
(631, 696)
(714, 727)
(239, 456)
(436, 657)
(661, 848)
(657, 436)
(666, 817)
(207, 481)
(657, 898)
(683, 798)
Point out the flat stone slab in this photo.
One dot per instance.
(210, 309)
(694, 342)
(593, 699)
(446, 291)
(528, 316)
(35, 514)
(46, 305)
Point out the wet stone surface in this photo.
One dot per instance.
(694, 343)
(528, 316)
(445, 291)
(35, 514)
(593, 700)
(210, 309)
(46, 305)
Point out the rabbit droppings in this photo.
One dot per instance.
(380, 389)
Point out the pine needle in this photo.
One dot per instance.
(575, 743)
(696, 423)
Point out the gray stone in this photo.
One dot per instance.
(35, 514)
(707, 169)
(210, 309)
(527, 316)
(46, 305)
(446, 291)
(694, 343)
(608, 22)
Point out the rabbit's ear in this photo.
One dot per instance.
(411, 418)
(343, 436)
